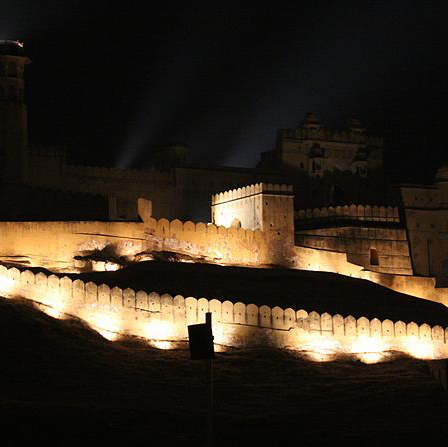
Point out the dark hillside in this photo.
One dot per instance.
(65, 384)
(319, 291)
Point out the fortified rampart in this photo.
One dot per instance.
(59, 246)
(336, 262)
(371, 236)
(380, 250)
(352, 213)
(164, 318)
(374, 253)
(122, 186)
(262, 206)
(208, 242)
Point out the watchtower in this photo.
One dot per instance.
(265, 207)
(13, 113)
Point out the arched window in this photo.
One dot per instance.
(374, 259)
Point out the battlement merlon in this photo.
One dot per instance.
(251, 190)
(339, 136)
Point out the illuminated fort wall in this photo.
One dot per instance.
(336, 262)
(426, 213)
(163, 319)
(83, 246)
(263, 206)
(55, 245)
(371, 236)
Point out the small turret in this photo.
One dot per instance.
(311, 121)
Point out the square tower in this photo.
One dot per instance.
(264, 206)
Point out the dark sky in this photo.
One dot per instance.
(111, 78)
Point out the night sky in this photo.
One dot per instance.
(110, 79)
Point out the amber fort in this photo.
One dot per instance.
(318, 200)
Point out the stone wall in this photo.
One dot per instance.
(340, 214)
(125, 186)
(384, 250)
(336, 262)
(164, 318)
(426, 216)
(217, 244)
(262, 206)
(371, 236)
(54, 245)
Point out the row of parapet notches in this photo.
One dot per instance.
(175, 228)
(359, 212)
(47, 151)
(303, 133)
(250, 190)
(62, 196)
(191, 309)
(111, 173)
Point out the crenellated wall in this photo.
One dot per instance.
(262, 206)
(342, 136)
(54, 245)
(361, 213)
(370, 236)
(337, 262)
(218, 244)
(384, 250)
(68, 247)
(250, 190)
(164, 318)
(123, 186)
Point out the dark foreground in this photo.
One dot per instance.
(64, 384)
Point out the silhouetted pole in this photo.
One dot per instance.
(208, 322)
(200, 337)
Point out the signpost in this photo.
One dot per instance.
(200, 338)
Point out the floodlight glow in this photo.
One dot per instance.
(418, 348)
(105, 324)
(6, 285)
(158, 330)
(161, 344)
